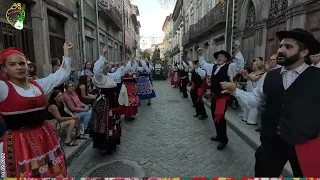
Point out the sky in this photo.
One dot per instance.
(152, 16)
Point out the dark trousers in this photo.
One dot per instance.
(272, 156)
(3, 128)
(184, 85)
(119, 85)
(194, 97)
(201, 109)
(221, 126)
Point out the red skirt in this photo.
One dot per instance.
(34, 152)
(175, 79)
(132, 109)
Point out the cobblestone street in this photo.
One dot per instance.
(167, 141)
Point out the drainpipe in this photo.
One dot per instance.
(233, 6)
(123, 31)
(82, 32)
(226, 2)
(98, 28)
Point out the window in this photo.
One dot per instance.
(10, 37)
(56, 36)
(89, 49)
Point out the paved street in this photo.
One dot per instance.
(167, 141)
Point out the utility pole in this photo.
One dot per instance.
(123, 30)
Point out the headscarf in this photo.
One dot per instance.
(7, 52)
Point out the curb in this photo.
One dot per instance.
(248, 140)
(77, 152)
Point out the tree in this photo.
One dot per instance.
(156, 55)
(145, 54)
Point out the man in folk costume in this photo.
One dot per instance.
(128, 98)
(290, 126)
(184, 69)
(220, 72)
(198, 76)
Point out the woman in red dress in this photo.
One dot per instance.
(30, 146)
(129, 92)
(174, 77)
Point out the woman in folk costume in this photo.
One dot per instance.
(222, 71)
(175, 79)
(128, 98)
(145, 89)
(106, 126)
(30, 146)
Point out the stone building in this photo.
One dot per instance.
(257, 21)
(48, 24)
(205, 26)
(132, 29)
(175, 35)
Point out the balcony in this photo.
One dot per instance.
(110, 14)
(211, 22)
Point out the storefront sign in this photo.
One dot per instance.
(15, 15)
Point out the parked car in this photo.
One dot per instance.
(160, 71)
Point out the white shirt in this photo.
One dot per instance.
(47, 84)
(101, 78)
(316, 65)
(257, 97)
(201, 72)
(233, 70)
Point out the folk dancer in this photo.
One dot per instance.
(290, 126)
(222, 71)
(174, 77)
(198, 80)
(30, 146)
(128, 98)
(145, 88)
(106, 125)
(184, 69)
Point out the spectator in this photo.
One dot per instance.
(67, 120)
(87, 69)
(32, 71)
(74, 104)
(56, 63)
(315, 60)
(83, 90)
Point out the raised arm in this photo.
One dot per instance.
(234, 68)
(98, 66)
(119, 73)
(206, 66)
(61, 75)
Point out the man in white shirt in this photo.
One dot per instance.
(273, 64)
(290, 126)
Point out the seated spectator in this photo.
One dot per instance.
(83, 90)
(74, 104)
(67, 120)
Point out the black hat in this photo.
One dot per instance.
(195, 61)
(303, 36)
(215, 55)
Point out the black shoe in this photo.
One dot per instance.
(184, 96)
(203, 117)
(149, 103)
(258, 130)
(196, 115)
(132, 118)
(221, 146)
(214, 139)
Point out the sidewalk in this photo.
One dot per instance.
(73, 152)
(246, 132)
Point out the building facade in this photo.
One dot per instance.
(259, 20)
(175, 34)
(166, 31)
(132, 30)
(89, 24)
(205, 25)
